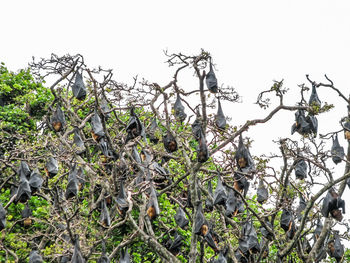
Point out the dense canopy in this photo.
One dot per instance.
(95, 170)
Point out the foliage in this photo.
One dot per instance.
(26, 113)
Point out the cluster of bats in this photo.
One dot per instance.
(147, 169)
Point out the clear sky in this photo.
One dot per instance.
(252, 43)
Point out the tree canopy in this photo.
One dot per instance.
(96, 170)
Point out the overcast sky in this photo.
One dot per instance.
(252, 44)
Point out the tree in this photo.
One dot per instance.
(108, 171)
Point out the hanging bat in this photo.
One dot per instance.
(122, 203)
(34, 257)
(35, 181)
(262, 193)
(301, 208)
(73, 182)
(152, 206)
(58, 119)
(241, 183)
(134, 127)
(201, 225)
(78, 88)
(77, 257)
(243, 158)
(264, 231)
(220, 195)
(196, 128)
(124, 256)
(97, 127)
(202, 153)
(220, 120)
(234, 205)
(336, 248)
(180, 218)
(23, 191)
(337, 151)
(51, 167)
(105, 218)
(287, 223)
(26, 214)
(153, 129)
(211, 81)
(23, 170)
(104, 258)
(175, 245)
(2, 217)
(318, 230)
(300, 169)
(170, 143)
(208, 202)
(314, 100)
(78, 141)
(179, 109)
(331, 205)
(249, 233)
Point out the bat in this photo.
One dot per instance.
(73, 183)
(202, 153)
(180, 218)
(331, 205)
(300, 169)
(152, 134)
(249, 234)
(51, 167)
(196, 128)
(264, 231)
(179, 109)
(170, 143)
(97, 128)
(287, 223)
(23, 170)
(201, 225)
(175, 245)
(122, 203)
(105, 218)
(314, 100)
(78, 141)
(23, 191)
(304, 125)
(104, 258)
(34, 257)
(2, 217)
(318, 230)
(124, 256)
(241, 183)
(336, 248)
(152, 206)
(58, 119)
(208, 202)
(78, 88)
(211, 81)
(134, 127)
(301, 208)
(26, 214)
(262, 193)
(234, 205)
(35, 181)
(220, 195)
(243, 158)
(337, 151)
(220, 120)
(77, 257)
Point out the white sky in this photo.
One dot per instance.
(252, 44)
